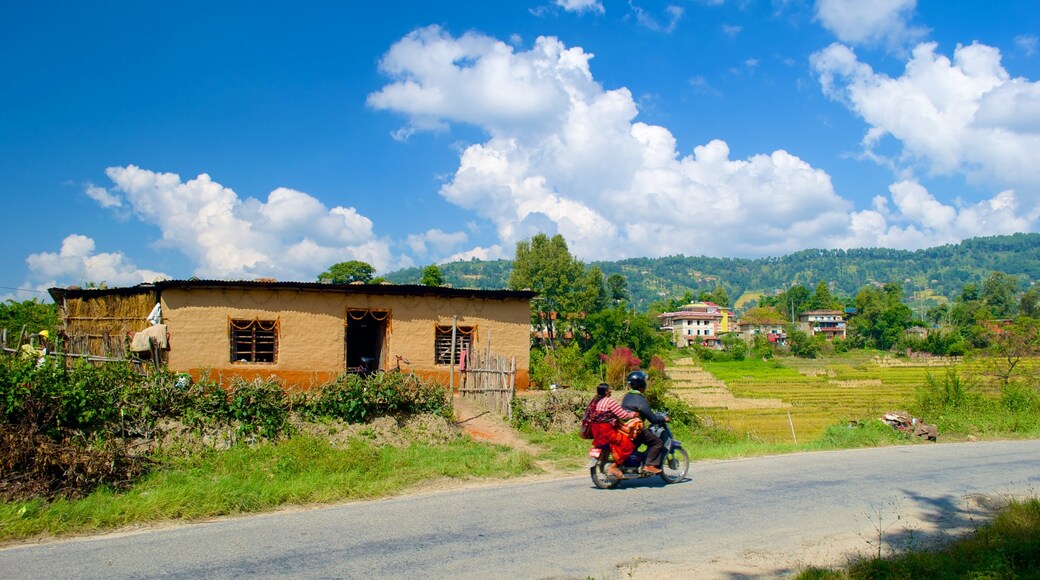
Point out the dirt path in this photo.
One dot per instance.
(484, 425)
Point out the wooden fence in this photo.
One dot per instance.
(490, 380)
(96, 349)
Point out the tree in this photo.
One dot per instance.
(31, 315)
(719, 296)
(1029, 304)
(617, 288)
(1010, 344)
(881, 316)
(589, 295)
(999, 293)
(545, 265)
(431, 276)
(347, 272)
(822, 299)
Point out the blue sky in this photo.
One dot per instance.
(236, 140)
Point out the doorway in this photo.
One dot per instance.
(364, 338)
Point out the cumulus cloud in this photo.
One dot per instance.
(290, 236)
(77, 263)
(961, 116)
(916, 219)
(873, 23)
(566, 156)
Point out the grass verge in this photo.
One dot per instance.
(1007, 547)
(301, 470)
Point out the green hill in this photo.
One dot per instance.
(931, 273)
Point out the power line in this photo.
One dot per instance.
(23, 289)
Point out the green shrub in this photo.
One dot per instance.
(952, 392)
(1018, 397)
(356, 399)
(259, 406)
(872, 433)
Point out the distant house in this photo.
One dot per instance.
(829, 323)
(303, 332)
(763, 321)
(697, 323)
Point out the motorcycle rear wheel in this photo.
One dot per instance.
(600, 477)
(676, 466)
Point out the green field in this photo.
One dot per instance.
(825, 391)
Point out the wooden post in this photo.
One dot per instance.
(451, 356)
(791, 423)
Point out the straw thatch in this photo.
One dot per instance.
(99, 325)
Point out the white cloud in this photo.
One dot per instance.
(1026, 43)
(870, 23)
(77, 263)
(102, 196)
(435, 242)
(572, 160)
(961, 116)
(919, 220)
(564, 155)
(672, 14)
(290, 236)
(581, 5)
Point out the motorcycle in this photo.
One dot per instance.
(674, 465)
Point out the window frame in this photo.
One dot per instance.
(464, 338)
(252, 334)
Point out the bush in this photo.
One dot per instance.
(356, 399)
(950, 393)
(619, 363)
(1021, 398)
(557, 412)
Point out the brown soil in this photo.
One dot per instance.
(487, 426)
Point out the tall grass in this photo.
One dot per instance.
(243, 479)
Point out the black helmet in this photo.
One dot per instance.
(636, 380)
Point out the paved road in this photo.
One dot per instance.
(755, 516)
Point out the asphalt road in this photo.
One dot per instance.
(756, 517)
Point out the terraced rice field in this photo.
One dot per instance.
(813, 393)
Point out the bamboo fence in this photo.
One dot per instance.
(490, 380)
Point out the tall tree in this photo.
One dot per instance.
(881, 317)
(719, 296)
(1029, 304)
(432, 276)
(822, 299)
(347, 272)
(546, 266)
(1000, 294)
(617, 288)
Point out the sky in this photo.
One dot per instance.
(234, 140)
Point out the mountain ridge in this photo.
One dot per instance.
(930, 274)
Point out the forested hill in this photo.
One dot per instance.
(939, 271)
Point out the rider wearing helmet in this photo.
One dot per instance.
(636, 401)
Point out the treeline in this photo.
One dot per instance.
(933, 275)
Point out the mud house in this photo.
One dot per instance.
(302, 332)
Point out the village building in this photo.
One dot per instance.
(305, 333)
(700, 323)
(763, 321)
(829, 323)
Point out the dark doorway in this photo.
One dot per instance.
(365, 332)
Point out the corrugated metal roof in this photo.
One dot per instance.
(384, 289)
